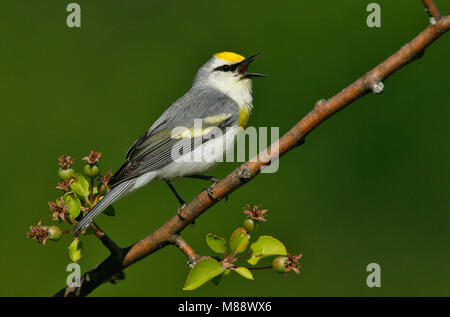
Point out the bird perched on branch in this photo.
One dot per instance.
(192, 135)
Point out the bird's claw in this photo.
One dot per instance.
(180, 211)
(210, 189)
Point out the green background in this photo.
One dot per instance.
(370, 185)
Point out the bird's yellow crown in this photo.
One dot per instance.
(230, 57)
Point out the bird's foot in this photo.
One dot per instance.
(180, 211)
(211, 188)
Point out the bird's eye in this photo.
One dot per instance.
(226, 68)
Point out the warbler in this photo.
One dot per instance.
(201, 124)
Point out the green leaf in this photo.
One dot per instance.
(202, 272)
(110, 211)
(74, 206)
(216, 243)
(75, 250)
(243, 271)
(265, 246)
(239, 240)
(80, 186)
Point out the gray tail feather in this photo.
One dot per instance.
(113, 195)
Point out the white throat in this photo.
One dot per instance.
(240, 92)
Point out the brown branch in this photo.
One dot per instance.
(432, 10)
(371, 81)
(92, 191)
(106, 240)
(190, 254)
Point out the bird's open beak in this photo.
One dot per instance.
(242, 67)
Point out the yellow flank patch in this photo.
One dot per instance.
(230, 57)
(244, 114)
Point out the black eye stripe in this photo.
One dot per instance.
(226, 68)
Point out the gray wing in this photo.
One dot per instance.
(153, 150)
